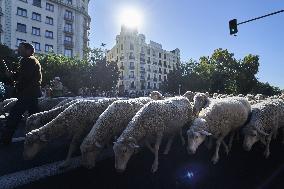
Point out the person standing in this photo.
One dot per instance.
(28, 89)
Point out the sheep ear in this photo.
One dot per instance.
(133, 145)
(43, 138)
(203, 132)
(98, 145)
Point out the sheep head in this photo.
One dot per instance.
(123, 150)
(90, 151)
(252, 134)
(196, 137)
(200, 101)
(34, 142)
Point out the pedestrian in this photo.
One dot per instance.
(28, 81)
(57, 87)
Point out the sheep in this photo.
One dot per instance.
(266, 118)
(218, 120)
(200, 101)
(154, 121)
(190, 95)
(156, 95)
(39, 119)
(110, 124)
(75, 122)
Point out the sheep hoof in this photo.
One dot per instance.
(154, 167)
(64, 165)
(215, 159)
(266, 154)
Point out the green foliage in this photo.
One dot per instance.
(220, 73)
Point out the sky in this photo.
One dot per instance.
(198, 27)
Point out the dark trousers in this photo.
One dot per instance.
(22, 105)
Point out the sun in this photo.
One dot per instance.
(131, 17)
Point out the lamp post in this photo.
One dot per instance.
(179, 86)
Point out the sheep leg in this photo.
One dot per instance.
(209, 143)
(181, 137)
(169, 144)
(226, 147)
(75, 143)
(156, 148)
(148, 145)
(231, 140)
(267, 150)
(215, 157)
(283, 135)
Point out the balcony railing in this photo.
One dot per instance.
(1, 29)
(86, 25)
(131, 67)
(148, 78)
(1, 13)
(148, 70)
(148, 61)
(132, 57)
(68, 43)
(68, 18)
(68, 30)
(37, 3)
(122, 58)
(155, 79)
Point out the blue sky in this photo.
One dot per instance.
(197, 27)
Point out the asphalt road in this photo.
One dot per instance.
(239, 169)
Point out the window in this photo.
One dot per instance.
(20, 41)
(36, 31)
(68, 15)
(24, 1)
(36, 16)
(121, 47)
(131, 74)
(37, 3)
(148, 51)
(69, 2)
(68, 52)
(68, 38)
(49, 7)
(160, 55)
(21, 27)
(68, 28)
(48, 48)
(21, 12)
(49, 34)
(131, 46)
(49, 20)
(132, 64)
(36, 46)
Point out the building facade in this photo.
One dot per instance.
(143, 67)
(59, 26)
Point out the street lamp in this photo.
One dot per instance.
(179, 86)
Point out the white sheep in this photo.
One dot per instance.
(217, 120)
(109, 125)
(266, 118)
(190, 95)
(200, 101)
(75, 122)
(154, 121)
(39, 119)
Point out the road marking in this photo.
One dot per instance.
(19, 139)
(21, 178)
(24, 177)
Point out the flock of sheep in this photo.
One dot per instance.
(94, 124)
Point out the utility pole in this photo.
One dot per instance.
(233, 24)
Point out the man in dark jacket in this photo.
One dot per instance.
(28, 81)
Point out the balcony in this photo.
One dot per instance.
(131, 57)
(131, 67)
(68, 18)
(86, 26)
(155, 79)
(1, 13)
(68, 30)
(160, 71)
(37, 3)
(1, 29)
(122, 58)
(148, 70)
(68, 43)
(148, 61)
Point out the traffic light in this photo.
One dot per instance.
(233, 26)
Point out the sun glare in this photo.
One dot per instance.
(131, 18)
